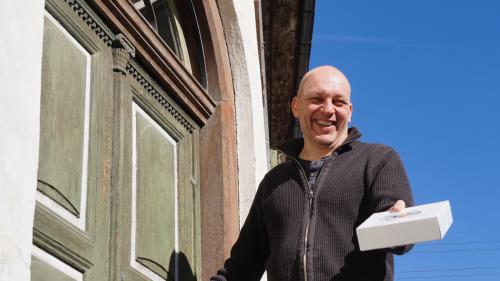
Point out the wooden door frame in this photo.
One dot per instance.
(219, 159)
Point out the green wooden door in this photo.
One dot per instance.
(71, 226)
(156, 228)
(118, 195)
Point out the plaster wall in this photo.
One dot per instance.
(241, 38)
(249, 37)
(21, 26)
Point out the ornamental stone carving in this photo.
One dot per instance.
(122, 52)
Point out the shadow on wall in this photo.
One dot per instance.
(184, 268)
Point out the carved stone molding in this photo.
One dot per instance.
(122, 52)
(103, 33)
(159, 97)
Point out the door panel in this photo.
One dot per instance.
(163, 236)
(154, 195)
(65, 111)
(71, 225)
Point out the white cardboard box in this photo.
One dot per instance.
(414, 224)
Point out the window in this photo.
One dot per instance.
(175, 22)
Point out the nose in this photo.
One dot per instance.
(328, 107)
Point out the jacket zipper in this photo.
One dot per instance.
(304, 259)
(310, 198)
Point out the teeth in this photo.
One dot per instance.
(325, 123)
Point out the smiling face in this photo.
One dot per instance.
(323, 107)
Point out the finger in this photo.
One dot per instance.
(398, 206)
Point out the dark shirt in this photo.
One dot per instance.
(312, 169)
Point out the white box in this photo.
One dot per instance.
(414, 224)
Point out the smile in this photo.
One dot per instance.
(325, 123)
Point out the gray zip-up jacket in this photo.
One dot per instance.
(295, 232)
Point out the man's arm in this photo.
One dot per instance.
(250, 251)
(390, 189)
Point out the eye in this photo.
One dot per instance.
(315, 100)
(340, 103)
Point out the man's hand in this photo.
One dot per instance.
(399, 206)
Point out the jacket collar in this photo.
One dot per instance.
(293, 147)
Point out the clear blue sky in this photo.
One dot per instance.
(425, 79)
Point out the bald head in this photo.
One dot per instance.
(323, 107)
(325, 72)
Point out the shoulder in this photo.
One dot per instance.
(281, 175)
(282, 170)
(373, 155)
(376, 150)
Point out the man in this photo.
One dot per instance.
(301, 225)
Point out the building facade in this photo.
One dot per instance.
(135, 132)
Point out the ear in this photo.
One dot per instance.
(350, 113)
(295, 107)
